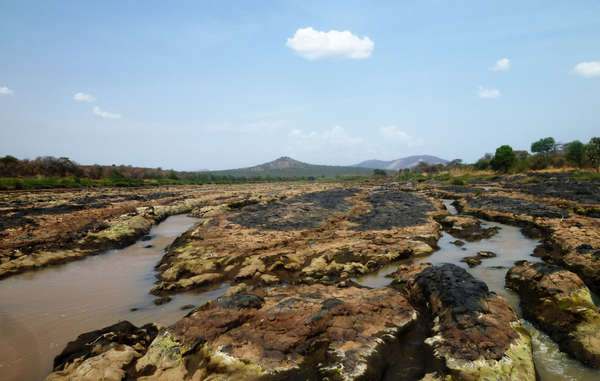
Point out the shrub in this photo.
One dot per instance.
(503, 159)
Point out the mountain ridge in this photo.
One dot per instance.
(286, 166)
(404, 162)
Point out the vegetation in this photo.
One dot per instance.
(50, 172)
(504, 159)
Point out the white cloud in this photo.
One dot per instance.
(501, 65)
(484, 93)
(83, 97)
(393, 132)
(313, 44)
(587, 69)
(105, 114)
(6, 91)
(335, 136)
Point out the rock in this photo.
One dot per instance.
(162, 300)
(295, 332)
(475, 333)
(476, 259)
(467, 228)
(458, 243)
(187, 307)
(472, 261)
(240, 301)
(103, 354)
(559, 302)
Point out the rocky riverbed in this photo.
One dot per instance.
(291, 254)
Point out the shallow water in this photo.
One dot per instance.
(41, 311)
(510, 245)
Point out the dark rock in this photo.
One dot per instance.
(187, 307)
(162, 300)
(306, 211)
(559, 302)
(147, 237)
(471, 323)
(516, 206)
(120, 333)
(393, 208)
(240, 301)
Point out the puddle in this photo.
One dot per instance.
(41, 311)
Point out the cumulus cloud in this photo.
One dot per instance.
(484, 93)
(395, 133)
(502, 64)
(587, 69)
(335, 136)
(105, 114)
(5, 91)
(313, 44)
(83, 97)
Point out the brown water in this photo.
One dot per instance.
(510, 245)
(41, 311)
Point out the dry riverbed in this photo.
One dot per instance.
(290, 254)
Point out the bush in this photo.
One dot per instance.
(504, 159)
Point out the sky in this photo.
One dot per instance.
(193, 85)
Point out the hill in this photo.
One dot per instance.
(405, 162)
(288, 167)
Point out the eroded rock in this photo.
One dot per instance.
(105, 354)
(302, 332)
(475, 333)
(467, 228)
(560, 303)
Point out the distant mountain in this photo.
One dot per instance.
(288, 167)
(405, 162)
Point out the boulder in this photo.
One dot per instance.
(475, 333)
(559, 302)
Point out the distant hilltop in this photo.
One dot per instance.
(287, 167)
(405, 162)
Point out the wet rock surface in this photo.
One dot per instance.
(475, 260)
(475, 333)
(560, 303)
(467, 228)
(105, 354)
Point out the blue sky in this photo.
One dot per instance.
(202, 84)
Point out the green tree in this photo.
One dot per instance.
(575, 152)
(544, 146)
(592, 152)
(503, 159)
(379, 172)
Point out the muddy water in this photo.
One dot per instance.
(510, 246)
(41, 311)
